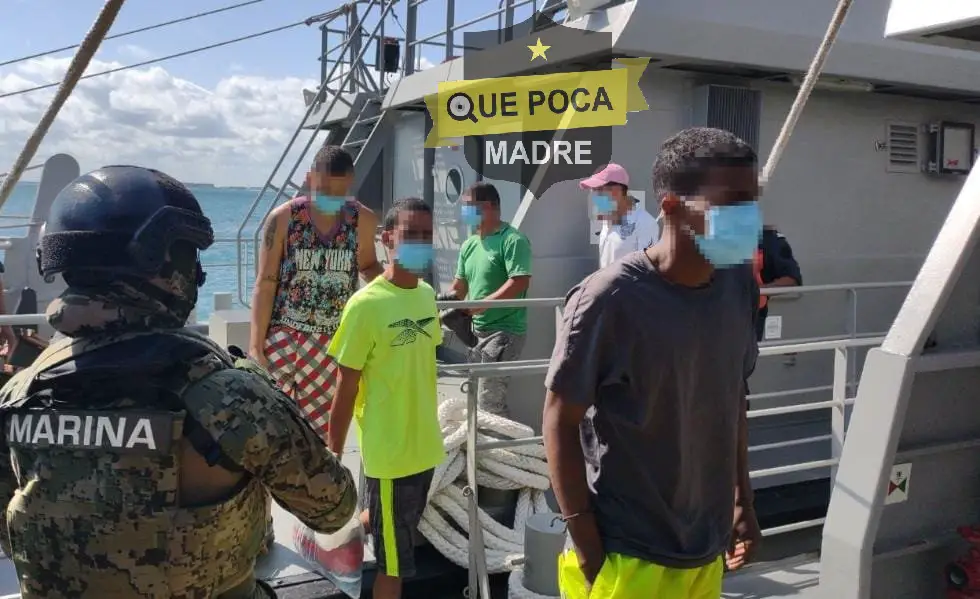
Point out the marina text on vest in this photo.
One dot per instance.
(123, 432)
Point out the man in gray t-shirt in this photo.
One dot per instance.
(645, 420)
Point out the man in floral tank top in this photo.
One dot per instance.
(312, 249)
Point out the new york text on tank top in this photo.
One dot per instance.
(318, 273)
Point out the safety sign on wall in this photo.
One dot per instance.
(774, 327)
(898, 484)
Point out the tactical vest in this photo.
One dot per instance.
(95, 430)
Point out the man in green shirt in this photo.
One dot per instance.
(494, 264)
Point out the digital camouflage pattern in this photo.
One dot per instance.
(99, 524)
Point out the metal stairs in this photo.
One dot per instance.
(364, 126)
(364, 118)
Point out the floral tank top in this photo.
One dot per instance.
(318, 273)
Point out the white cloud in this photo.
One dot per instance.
(230, 135)
(135, 53)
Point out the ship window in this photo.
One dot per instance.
(903, 148)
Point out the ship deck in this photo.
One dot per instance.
(787, 566)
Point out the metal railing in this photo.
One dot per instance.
(843, 349)
(844, 366)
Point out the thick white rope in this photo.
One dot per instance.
(86, 50)
(445, 522)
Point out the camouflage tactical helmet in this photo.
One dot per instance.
(121, 220)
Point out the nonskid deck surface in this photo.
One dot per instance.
(795, 577)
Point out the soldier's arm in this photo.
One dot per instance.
(7, 487)
(264, 432)
(8, 483)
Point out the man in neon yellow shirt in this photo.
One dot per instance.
(385, 347)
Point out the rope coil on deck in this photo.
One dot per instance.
(445, 522)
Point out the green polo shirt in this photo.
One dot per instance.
(485, 263)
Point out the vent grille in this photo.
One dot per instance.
(903, 148)
(735, 109)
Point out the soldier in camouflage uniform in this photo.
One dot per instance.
(137, 459)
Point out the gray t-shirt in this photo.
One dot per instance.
(663, 367)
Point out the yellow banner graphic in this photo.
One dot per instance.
(536, 102)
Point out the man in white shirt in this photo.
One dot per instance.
(626, 226)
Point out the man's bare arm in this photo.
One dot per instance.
(6, 331)
(342, 409)
(783, 282)
(460, 288)
(566, 462)
(566, 465)
(743, 488)
(271, 248)
(367, 256)
(511, 289)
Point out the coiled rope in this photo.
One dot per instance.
(445, 522)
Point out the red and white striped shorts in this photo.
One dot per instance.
(299, 363)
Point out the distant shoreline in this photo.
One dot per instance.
(202, 186)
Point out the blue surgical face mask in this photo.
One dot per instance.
(470, 215)
(731, 234)
(603, 203)
(329, 204)
(414, 256)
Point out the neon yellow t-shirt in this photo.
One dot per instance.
(390, 334)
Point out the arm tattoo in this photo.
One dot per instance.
(269, 236)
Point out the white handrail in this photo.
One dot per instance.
(545, 302)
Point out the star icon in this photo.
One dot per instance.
(538, 49)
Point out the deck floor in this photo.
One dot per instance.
(283, 561)
(795, 577)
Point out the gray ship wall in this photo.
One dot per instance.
(915, 424)
(848, 217)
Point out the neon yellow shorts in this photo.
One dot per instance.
(623, 577)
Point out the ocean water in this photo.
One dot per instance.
(226, 207)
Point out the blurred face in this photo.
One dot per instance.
(723, 219)
(608, 200)
(474, 213)
(331, 185)
(726, 186)
(410, 242)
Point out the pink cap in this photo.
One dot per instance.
(612, 173)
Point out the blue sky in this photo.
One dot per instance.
(177, 95)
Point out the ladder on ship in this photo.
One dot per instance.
(346, 79)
